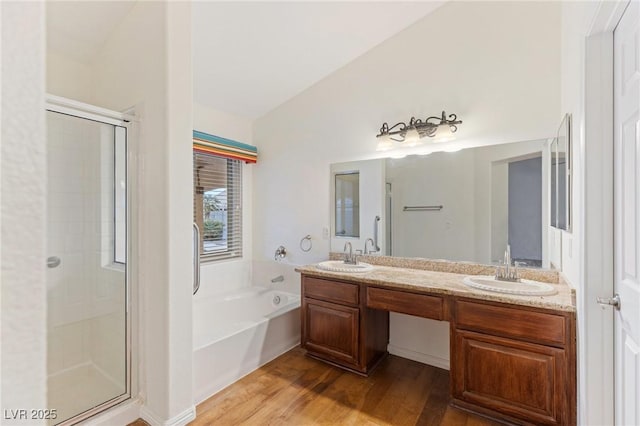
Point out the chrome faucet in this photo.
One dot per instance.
(373, 246)
(349, 257)
(506, 272)
(277, 279)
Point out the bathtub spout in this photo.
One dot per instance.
(277, 279)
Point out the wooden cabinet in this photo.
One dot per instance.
(331, 330)
(337, 327)
(420, 305)
(515, 364)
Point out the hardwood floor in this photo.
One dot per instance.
(297, 390)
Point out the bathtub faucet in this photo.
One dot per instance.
(277, 279)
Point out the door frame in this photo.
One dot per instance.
(596, 325)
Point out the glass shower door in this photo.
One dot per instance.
(87, 361)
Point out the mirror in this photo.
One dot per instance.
(347, 204)
(461, 206)
(561, 176)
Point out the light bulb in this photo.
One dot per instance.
(412, 137)
(384, 142)
(443, 133)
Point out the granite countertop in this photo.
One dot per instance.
(445, 283)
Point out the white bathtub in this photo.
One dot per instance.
(235, 333)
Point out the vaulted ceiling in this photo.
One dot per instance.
(249, 57)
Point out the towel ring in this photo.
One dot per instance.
(306, 247)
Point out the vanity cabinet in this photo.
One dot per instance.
(338, 328)
(513, 363)
(517, 364)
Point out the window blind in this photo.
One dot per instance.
(218, 205)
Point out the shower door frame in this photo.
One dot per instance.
(127, 120)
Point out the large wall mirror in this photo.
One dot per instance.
(462, 206)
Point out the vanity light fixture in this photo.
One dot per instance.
(439, 128)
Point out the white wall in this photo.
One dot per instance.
(146, 64)
(227, 275)
(23, 193)
(69, 78)
(497, 65)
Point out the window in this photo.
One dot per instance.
(218, 205)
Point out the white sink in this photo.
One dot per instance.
(340, 266)
(524, 287)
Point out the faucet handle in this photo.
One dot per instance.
(373, 246)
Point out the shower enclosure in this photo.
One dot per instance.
(88, 359)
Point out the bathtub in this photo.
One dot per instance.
(235, 333)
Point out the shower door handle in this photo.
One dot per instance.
(196, 258)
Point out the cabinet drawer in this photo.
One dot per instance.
(512, 322)
(404, 302)
(331, 291)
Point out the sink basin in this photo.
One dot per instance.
(340, 266)
(524, 287)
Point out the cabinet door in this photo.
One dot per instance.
(331, 330)
(518, 379)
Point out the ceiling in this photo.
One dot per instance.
(248, 57)
(79, 29)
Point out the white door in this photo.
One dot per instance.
(627, 215)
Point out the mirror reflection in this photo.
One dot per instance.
(347, 204)
(462, 206)
(561, 177)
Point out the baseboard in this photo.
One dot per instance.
(428, 359)
(179, 420)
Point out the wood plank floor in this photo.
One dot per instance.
(296, 390)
